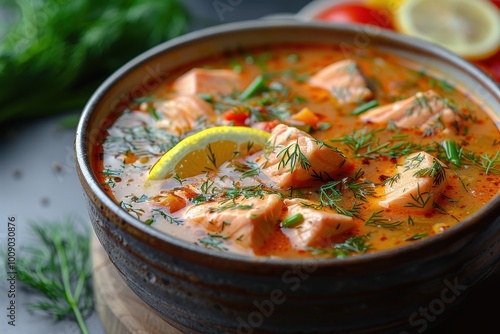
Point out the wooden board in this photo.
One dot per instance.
(122, 312)
(118, 307)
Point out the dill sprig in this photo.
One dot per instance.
(391, 181)
(360, 188)
(377, 220)
(490, 163)
(436, 171)
(420, 200)
(329, 194)
(291, 155)
(417, 236)
(353, 246)
(59, 269)
(214, 240)
(168, 218)
(367, 144)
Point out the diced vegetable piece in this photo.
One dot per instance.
(306, 116)
(258, 85)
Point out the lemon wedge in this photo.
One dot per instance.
(470, 28)
(206, 150)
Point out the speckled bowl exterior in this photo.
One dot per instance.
(199, 290)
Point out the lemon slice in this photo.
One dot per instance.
(391, 5)
(206, 150)
(470, 28)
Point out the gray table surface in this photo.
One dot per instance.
(38, 182)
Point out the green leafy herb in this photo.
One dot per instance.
(168, 218)
(441, 83)
(112, 172)
(436, 171)
(214, 240)
(59, 269)
(377, 220)
(366, 144)
(487, 162)
(246, 192)
(353, 246)
(234, 206)
(360, 188)
(291, 155)
(411, 222)
(140, 140)
(237, 68)
(129, 207)
(420, 200)
(392, 180)
(417, 236)
(329, 195)
(54, 56)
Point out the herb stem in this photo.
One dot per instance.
(67, 285)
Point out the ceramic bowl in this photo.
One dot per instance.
(199, 290)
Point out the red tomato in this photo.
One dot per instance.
(496, 3)
(238, 118)
(357, 14)
(491, 66)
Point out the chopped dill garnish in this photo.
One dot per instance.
(233, 206)
(489, 163)
(436, 171)
(376, 220)
(214, 240)
(329, 194)
(420, 200)
(411, 222)
(353, 246)
(417, 236)
(359, 188)
(167, 217)
(111, 172)
(365, 143)
(392, 180)
(291, 155)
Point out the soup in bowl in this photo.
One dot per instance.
(283, 176)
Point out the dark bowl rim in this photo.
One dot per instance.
(87, 175)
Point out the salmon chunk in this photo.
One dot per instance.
(248, 222)
(182, 113)
(318, 226)
(427, 111)
(215, 82)
(344, 81)
(417, 185)
(296, 159)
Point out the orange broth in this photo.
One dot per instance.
(134, 144)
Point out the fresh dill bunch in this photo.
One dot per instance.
(58, 268)
(54, 53)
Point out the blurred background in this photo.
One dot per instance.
(55, 53)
